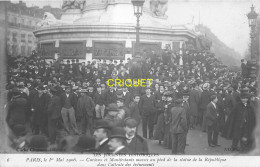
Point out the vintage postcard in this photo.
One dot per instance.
(135, 83)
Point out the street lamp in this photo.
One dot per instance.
(138, 11)
(252, 16)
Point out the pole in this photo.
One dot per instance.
(137, 33)
(252, 43)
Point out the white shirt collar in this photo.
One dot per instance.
(118, 149)
(129, 139)
(103, 141)
(214, 104)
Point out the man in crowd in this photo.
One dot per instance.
(135, 143)
(99, 101)
(54, 114)
(101, 134)
(85, 112)
(134, 109)
(178, 127)
(147, 110)
(39, 107)
(205, 99)
(212, 121)
(69, 107)
(117, 141)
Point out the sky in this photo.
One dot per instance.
(226, 18)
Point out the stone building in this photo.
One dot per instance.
(21, 22)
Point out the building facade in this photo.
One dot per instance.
(21, 22)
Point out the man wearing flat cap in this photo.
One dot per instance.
(69, 107)
(134, 109)
(135, 143)
(117, 141)
(178, 127)
(147, 110)
(101, 134)
(85, 112)
(114, 115)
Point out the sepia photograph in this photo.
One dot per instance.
(129, 83)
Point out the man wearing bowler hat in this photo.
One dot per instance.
(241, 119)
(135, 143)
(85, 144)
(39, 107)
(117, 141)
(101, 134)
(147, 110)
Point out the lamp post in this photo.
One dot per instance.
(138, 11)
(252, 16)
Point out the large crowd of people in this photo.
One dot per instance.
(68, 106)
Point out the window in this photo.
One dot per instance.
(9, 19)
(23, 50)
(14, 36)
(22, 37)
(30, 38)
(8, 35)
(22, 21)
(14, 20)
(29, 51)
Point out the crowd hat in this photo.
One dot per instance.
(136, 94)
(16, 91)
(85, 144)
(185, 93)
(168, 93)
(9, 86)
(119, 92)
(149, 88)
(179, 101)
(219, 88)
(205, 86)
(40, 87)
(52, 89)
(118, 132)
(83, 91)
(130, 122)
(38, 143)
(244, 93)
(102, 124)
(75, 87)
(112, 107)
